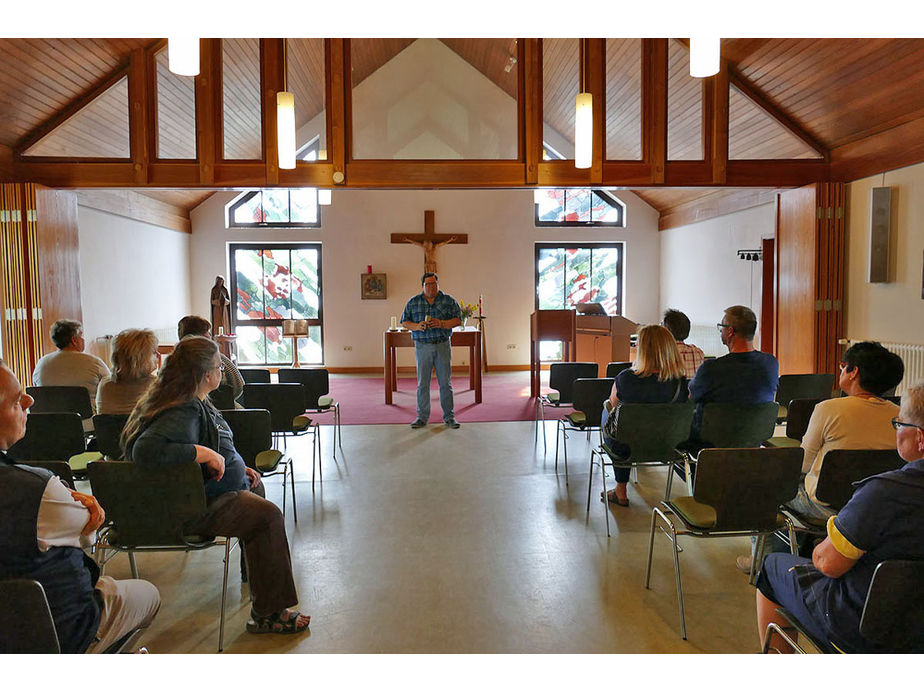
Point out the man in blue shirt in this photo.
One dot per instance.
(430, 316)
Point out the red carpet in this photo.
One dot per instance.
(505, 397)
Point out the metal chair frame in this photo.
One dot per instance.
(589, 396)
(652, 432)
(316, 382)
(252, 431)
(171, 496)
(892, 604)
(562, 375)
(745, 487)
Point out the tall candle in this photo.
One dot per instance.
(480, 304)
(394, 322)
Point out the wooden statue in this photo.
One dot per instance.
(221, 307)
(428, 240)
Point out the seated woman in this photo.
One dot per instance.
(134, 358)
(882, 521)
(656, 377)
(174, 422)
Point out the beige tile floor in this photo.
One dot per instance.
(464, 541)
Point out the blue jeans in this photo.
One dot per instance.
(621, 473)
(430, 356)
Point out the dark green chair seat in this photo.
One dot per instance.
(316, 387)
(561, 385)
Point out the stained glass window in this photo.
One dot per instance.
(558, 207)
(279, 207)
(568, 275)
(272, 283)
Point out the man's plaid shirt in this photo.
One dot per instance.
(692, 358)
(444, 307)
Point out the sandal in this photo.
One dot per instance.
(613, 498)
(282, 622)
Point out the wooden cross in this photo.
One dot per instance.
(428, 240)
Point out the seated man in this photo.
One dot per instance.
(882, 521)
(193, 325)
(46, 526)
(742, 376)
(679, 325)
(69, 365)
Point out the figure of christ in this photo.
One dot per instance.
(429, 248)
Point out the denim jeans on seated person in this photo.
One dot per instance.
(436, 355)
(620, 473)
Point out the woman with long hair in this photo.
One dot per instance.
(174, 422)
(134, 358)
(657, 376)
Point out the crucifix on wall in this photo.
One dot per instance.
(429, 240)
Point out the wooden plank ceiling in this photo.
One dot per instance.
(837, 91)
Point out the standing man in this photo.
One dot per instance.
(68, 365)
(430, 316)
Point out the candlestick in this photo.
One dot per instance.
(394, 322)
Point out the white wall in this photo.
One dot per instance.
(132, 274)
(700, 272)
(894, 311)
(497, 262)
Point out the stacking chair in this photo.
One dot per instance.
(652, 432)
(108, 433)
(561, 379)
(614, 368)
(727, 426)
(803, 386)
(316, 382)
(738, 492)
(148, 508)
(286, 404)
(255, 375)
(839, 470)
(589, 394)
(799, 413)
(253, 439)
(26, 623)
(892, 618)
(63, 398)
(55, 436)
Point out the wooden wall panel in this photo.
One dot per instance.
(13, 297)
(57, 249)
(796, 270)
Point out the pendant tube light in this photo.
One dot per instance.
(583, 122)
(704, 56)
(285, 118)
(183, 56)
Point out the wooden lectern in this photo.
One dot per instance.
(550, 326)
(603, 338)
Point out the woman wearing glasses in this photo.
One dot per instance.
(657, 376)
(882, 521)
(174, 422)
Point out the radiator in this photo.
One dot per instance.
(912, 356)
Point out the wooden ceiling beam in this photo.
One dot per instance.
(530, 106)
(137, 206)
(713, 204)
(654, 106)
(885, 151)
(6, 164)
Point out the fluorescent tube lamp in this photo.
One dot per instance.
(583, 130)
(285, 128)
(183, 56)
(704, 56)
(324, 197)
(538, 196)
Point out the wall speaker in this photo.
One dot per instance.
(879, 232)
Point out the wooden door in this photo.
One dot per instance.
(810, 257)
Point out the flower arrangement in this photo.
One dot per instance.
(468, 310)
